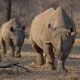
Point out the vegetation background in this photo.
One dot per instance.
(26, 10)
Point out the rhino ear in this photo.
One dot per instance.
(51, 28)
(71, 29)
(11, 29)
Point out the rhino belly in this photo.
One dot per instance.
(37, 40)
(40, 36)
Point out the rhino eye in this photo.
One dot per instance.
(23, 28)
(11, 29)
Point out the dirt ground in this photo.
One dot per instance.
(28, 56)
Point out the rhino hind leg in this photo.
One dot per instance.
(50, 56)
(39, 53)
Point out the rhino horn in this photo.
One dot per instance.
(19, 29)
(59, 19)
(15, 29)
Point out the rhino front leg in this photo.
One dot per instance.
(63, 59)
(18, 50)
(39, 54)
(12, 48)
(61, 63)
(50, 56)
(3, 43)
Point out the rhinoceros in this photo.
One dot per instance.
(13, 34)
(53, 34)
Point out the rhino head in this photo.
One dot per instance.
(62, 28)
(18, 32)
(62, 41)
(58, 35)
(18, 35)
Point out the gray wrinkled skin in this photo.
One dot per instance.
(12, 34)
(52, 33)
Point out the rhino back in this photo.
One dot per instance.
(5, 30)
(39, 29)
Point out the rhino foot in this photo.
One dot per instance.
(34, 65)
(3, 56)
(50, 67)
(18, 56)
(62, 70)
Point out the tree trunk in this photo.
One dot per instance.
(7, 9)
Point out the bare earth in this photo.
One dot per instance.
(28, 56)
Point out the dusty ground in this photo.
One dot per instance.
(72, 64)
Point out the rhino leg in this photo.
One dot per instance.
(3, 43)
(12, 46)
(18, 50)
(61, 63)
(61, 66)
(50, 56)
(39, 54)
(63, 59)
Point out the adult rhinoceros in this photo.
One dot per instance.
(52, 33)
(13, 34)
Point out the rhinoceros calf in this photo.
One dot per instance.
(52, 33)
(13, 34)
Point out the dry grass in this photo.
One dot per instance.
(72, 76)
(30, 55)
(77, 42)
(69, 78)
(75, 55)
